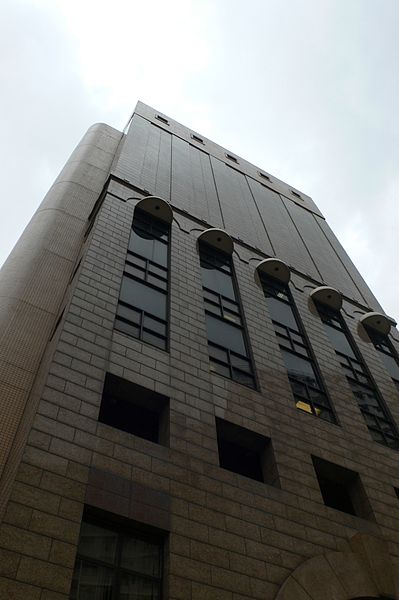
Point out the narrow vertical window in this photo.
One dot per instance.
(370, 402)
(228, 344)
(387, 352)
(143, 299)
(306, 383)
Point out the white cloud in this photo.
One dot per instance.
(306, 89)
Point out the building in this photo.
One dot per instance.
(199, 393)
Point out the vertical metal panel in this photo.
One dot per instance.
(241, 216)
(287, 243)
(193, 186)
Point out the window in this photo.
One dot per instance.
(231, 157)
(245, 452)
(116, 564)
(306, 383)
(228, 345)
(264, 176)
(342, 488)
(387, 352)
(143, 299)
(162, 119)
(196, 138)
(369, 400)
(134, 409)
(296, 194)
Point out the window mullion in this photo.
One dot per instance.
(230, 337)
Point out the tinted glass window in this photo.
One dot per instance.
(339, 341)
(97, 542)
(132, 588)
(133, 572)
(146, 245)
(143, 554)
(391, 365)
(218, 281)
(281, 312)
(299, 368)
(225, 335)
(143, 297)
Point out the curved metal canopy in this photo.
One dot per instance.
(157, 207)
(328, 296)
(217, 238)
(377, 321)
(274, 267)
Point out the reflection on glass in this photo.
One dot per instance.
(144, 244)
(302, 405)
(91, 582)
(231, 336)
(339, 341)
(97, 542)
(299, 368)
(142, 556)
(218, 281)
(391, 365)
(143, 297)
(135, 588)
(281, 312)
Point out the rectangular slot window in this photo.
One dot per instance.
(245, 452)
(296, 194)
(162, 119)
(134, 409)
(307, 385)
(231, 157)
(264, 176)
(113, 562)
(196, 138)
(342, 489)
(143, 300)
(228, 344)
(369, 400)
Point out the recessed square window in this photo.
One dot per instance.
(245, 452)
(264, 176)
(196, 138)
(296, 194)
(342, 489)
(231, 157)
(162, 119)
(134, 409)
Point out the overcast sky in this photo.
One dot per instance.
(306, 89)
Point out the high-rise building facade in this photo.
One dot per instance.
(199, 394)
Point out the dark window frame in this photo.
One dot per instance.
(122, 534)
(384, 346)
(361, 382)
(321, 409)
(146, 268)
(224, 263)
